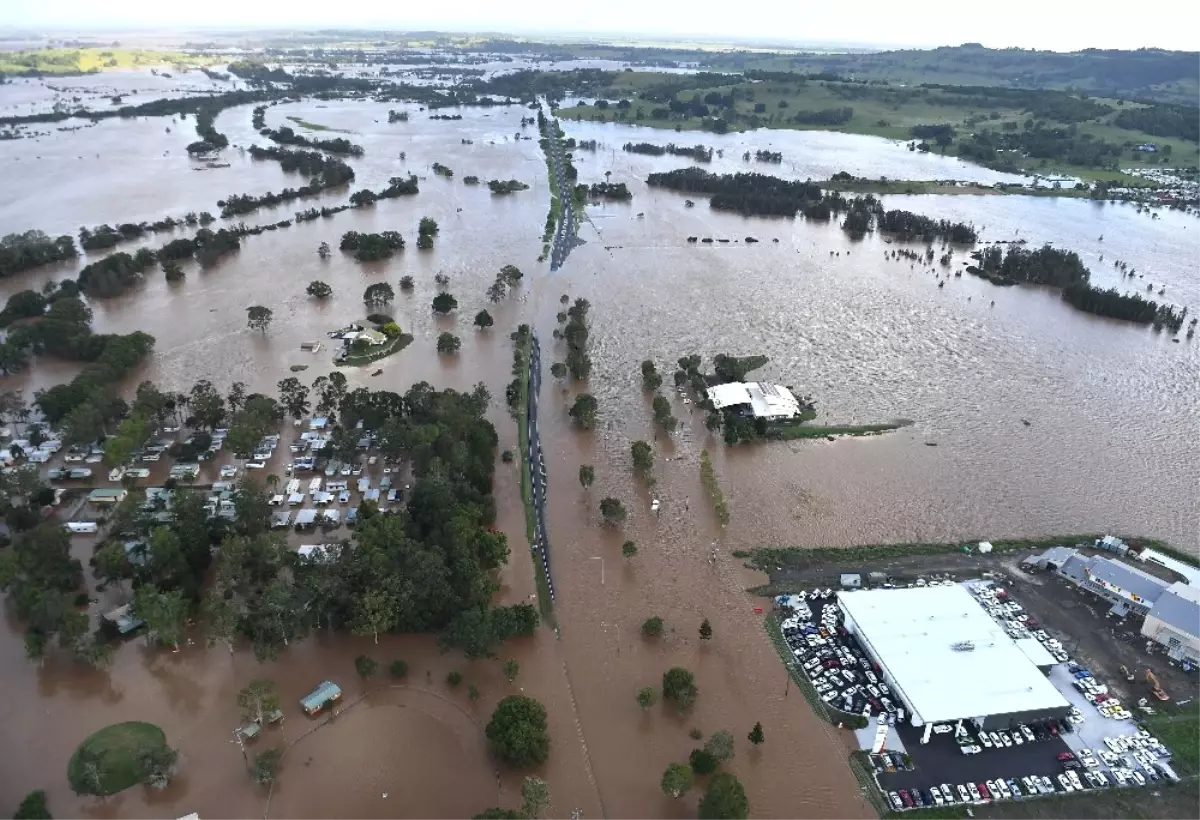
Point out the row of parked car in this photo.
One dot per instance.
(843, 675)
(981, 792)
(1013, 618)
(1017, 735)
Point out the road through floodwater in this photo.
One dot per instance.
(1111, 446)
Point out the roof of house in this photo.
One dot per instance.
(1179, 606)
(1130, 579)
(1075, 568)
(1055, 555)
(107, 493)
(947, 658)
(765, 400)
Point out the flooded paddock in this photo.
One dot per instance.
(1111, 445)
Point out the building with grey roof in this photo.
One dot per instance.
(1123, 584)
(1051, 559)
(1174, 622)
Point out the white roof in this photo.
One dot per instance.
(1038, 655)
(765, 400)
(913, 634)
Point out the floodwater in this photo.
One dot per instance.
(1111, 445)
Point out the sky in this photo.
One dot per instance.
(1059, 25)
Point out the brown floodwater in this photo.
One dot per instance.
(1112, 445)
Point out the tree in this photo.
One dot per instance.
(558, 370)
(33, 807)
(173, 271)
(319, 289)
(258, 318)
(724, 799)
(629, 549)
(720, 745)
(651, 379)
(258, 699)
(90, 781)
(110, 564)
(702, 762)
(498, 814)
(643, 457)
(323, 252)
(679, 687)
(483, 319)
(454, 678)
(366, 666)
(583, 411)
(587, 475)
(448, 343)
(517, 731)
(406, 283)
(677, 780)
(652, 627)
(444, 303)
(756, 734)
(398, 668)
(511, 669)
(647, 697)
(293, 395)
(380, 293)
(374, 611)
(705, 630)
(165, 613)
(535, 797)
(613, 510)
(266, 766)
(155, 762)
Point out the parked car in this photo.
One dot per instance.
(896, 802)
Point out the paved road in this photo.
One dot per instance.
(564, 231)
(537, 464)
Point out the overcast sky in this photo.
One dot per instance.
(1061, 25)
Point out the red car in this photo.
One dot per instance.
(983, 791)
(1066, 756)
(1052, 729)
(907, 798)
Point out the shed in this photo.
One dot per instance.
(306, 518)
(877, 578)
(104, 496)
(851, 580)
(326, 692)
(123, 618)
(281, 520)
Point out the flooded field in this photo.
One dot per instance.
(1111, 445)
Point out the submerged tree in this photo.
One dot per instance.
(258, 318)
(319, 289)
(587, 475)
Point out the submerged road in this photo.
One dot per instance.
(536, 462)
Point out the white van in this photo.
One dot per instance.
(81, 527)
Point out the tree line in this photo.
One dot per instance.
(1058, 268)
(604, 190)
(20, 252)
(700, 153)
(286, 136)
(506, 186)
(371, 247)
(105, 236)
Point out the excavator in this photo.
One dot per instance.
(1125, 671)
(1156, 686)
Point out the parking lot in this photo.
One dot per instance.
(1096, 746)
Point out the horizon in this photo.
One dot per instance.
(877, 25)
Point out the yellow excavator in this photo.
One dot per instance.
(1156, 686)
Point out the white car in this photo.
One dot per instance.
(256, 465)
(942, 728)
(228, 471)
(1065, 782)
(1139, 778)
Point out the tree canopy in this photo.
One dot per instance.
(517, 731)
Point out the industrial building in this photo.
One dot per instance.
(948, 661)
(757, 399)
(1171, 610)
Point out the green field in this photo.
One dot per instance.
(884, 111)
(83, 60)
(1181, 734)
(316, 126)
(114, 748)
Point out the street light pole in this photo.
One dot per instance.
(601, 560)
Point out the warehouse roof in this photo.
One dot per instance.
(1130, 579)
(948, 658)
(1179, 606)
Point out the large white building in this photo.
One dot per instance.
(947, 660)
(760, 399)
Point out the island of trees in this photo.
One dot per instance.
(615, 191)
(371, 247)
(506, 186)
(1057, 268)
(700, 153)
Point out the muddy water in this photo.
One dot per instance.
(1111, 405)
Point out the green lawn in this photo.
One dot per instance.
(77, 60)
(1181, 734)
(386, 349)
(316, 126)
(115, 750)
(889, 113)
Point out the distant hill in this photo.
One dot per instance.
(1147, 74)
